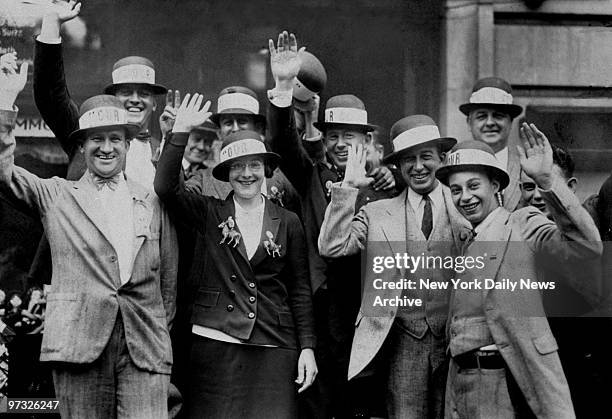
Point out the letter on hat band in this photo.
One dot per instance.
(472, 156)
(237, 101)
(102, 116)
(301, 92)
(491, 95)
(346, 116)
(134, 73)
(415, 136)
(241, 148)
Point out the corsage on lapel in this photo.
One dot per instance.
(229, 233)
(328, 186)
(277, 196)
(272, 248)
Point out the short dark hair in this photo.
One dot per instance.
(563, 158)
(268, 170)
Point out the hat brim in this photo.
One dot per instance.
(221, 171)
(446, 143)
(444, 172)
(234, 112)
(157, 89)
(322, 126)
(512, 110)
(130, 129)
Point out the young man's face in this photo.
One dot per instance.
(491, 126)
(229, 124)
(418, 167)
(473, 194)
(531, 194)
(339, 139)
(105, 152)
(139, 102)
(246, 174)
(199, 147)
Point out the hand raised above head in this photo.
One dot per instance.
(284, 59)
(191, 113)
(11, 81)
(168, 116)
(64, 10)
(355, 172)
(536, 155)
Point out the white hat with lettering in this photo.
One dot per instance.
(345, 111)
(103, 113)
(134, 70)
(492, 92)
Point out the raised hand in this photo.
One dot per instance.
(11, 81)
(383, 178)
(284, 60)
(65, 10)
(536, 155)
(355, 172)
(168, 116)
(191, 113)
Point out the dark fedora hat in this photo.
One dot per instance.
(311, 79)
(134, 70)
(472, 155)
(103, 113)
(416, 130)
(240, 144)
(492, 92)
(345, 110)
(238, 100)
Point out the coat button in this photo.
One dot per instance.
(251, 315)
(233, 278)
(113, 258)
(230, 307)
(252, 299)
(232, 293)
(251, 284)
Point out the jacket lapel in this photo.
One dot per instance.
(394, 226)
(271, 223)
(512, 193)
(226, 210)
(142, 213)
(87, 198)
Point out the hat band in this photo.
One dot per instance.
(301, 92)
(346, 116)
(134, 73)
(472, 156)
(240, 148)
(237, 101)
(415, 136)
(102, 116)
(491, 95)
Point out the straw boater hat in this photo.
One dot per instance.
(311, 79)
(103, 113)
(240, 144)
(472, 155)
(134, 70)
(238, 100)
(347, 111)
(492, 92)
(414, 131)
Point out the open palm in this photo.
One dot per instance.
(284, 59)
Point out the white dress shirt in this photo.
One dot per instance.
(502, 157)
(250, 223)
(138, 163)
(417, 203)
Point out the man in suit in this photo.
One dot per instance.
(504, 357)
(114, 268)
(490, 112)
(336, 294)
(421, 220)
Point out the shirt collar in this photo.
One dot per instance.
(240, 209)
(484, 224)
(435, 195)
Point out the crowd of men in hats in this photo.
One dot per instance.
(221, 274)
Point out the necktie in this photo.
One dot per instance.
(111, 182)
(427, 223)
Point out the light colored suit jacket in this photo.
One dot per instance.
(517, 320)
(87, 295)
(380, 230)
(512, 193)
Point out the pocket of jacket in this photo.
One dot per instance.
(545, 344)
(285, 319)
(207, 298)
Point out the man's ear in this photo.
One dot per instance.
(154, 105)
(369, 138)
(572, 183)
(495, 184)
(442, 156)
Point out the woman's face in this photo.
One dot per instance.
(15, 301)
(36, 294)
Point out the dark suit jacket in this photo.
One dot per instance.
(265, 300)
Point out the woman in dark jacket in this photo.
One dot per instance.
(252, 314)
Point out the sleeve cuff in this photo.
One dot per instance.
(314, 139)
(8, 117)
(44, 40)
(308, 342)
(280, 98)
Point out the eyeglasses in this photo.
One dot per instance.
(254, 166)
